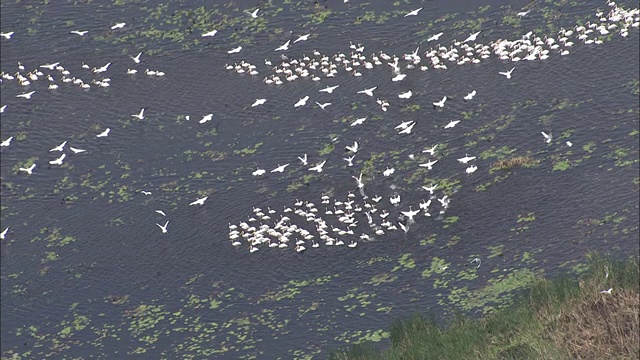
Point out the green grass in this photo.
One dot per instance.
(563, 318)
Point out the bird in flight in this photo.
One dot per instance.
(136, 58)
(413, 13)
(105, 133)
(200, 201)
(368, 91)
(507, 73)
(58, 161)
(140, 115)
(28, 170)
(163, 227)
(77, 32)
(59, 147)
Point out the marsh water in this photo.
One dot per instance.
(86, 272)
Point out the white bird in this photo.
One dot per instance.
(163, 228)
(254, 13)
(466, 159)
(434, 37)
(284, 46)
(28, 170)
(145, 193)
(430, 188)
(548, 136)
(118, 26)
(59, 147)
(280, 168)
(7, 36)
(429, 165)
(101, 69)
(405, 95)
(76, 151)
(258, 102)
(161, 212)
(359, 121)
(329, 89)
(50, 66)
(395, 199)
(259, 172)
(206, 118)
(388, 172)
(440, 103)
(131, 71)
(199, 201)
(105, 133)
(235, 50)
(424, 205)
(569, 143)
(3, 234)
(470, 95)
(413, 12)
(7, 142)
(349, 160)
(601, 292)
(2, 108)
(403, 125)
(58, 161)
(471, 169)
(431, 151)
(411, 213)
(322, 106)
(507, 73)
(303, 159)
(77, 32)
(354, 148)
(523, 13)
(359, 181)
(472, 37)
(302, 38)
(26, 95)
(452, 124)
(318, 167)
(408, 129)
(367, 91)
(136, 58)
(301, 102)
(210, 33)
(139, 115)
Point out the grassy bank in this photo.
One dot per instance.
(563, 318)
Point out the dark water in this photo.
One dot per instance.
(122, 287)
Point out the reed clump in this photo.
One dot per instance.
(563, 318)
(505, 164)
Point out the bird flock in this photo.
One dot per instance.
(335, 221)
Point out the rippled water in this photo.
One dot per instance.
(121, 268)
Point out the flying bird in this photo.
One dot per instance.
(280, 168)
(161, 212)
(28, 170)
(507, 73)
(26, 95)
(206, 118)
(408, 129)
(235, 50)
(303, 159)
(199, 201)
(548, 137)
(322, 106)
(140, 115)
(7, 35)
(284, 46)
(440, 103)
(258, 102)
(77, 32)
(105, 133)
(7, 142)
(329, 89)
(118, 26)
(367, 91)
(302, 38)
(452, 124)
(405, 95)
(59, 147)
(472, 37)
(431, 151)
(254, 13)
(470, 95)
(210, 33)
(3, 234)
(163, 228)
(318, 167)
(301, 102)
(435, 37)
(136, 59)
(354, 148)
(76, 151)
(58, 161)
(259, 172)
(413, 12)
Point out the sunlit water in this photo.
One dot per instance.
(194, 274)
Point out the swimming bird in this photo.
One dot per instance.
(477, 260)
(405, 95)
(303, 159)
(452, 124)
(431, 151)
(435, 37)
(322, 106)
(470, 95)
(318, 167)
(429, 165)
(59, 147)
(430, 188)
(367, 91)
(7, 35)
(206, 118)
(472, 37)
(259, 172)
(408, 129)
(58, 161)
(254, 13)
(398, 77)
(105, 133)
(136, 59)
(302, 38)
(139, 115)
(258, 102)
(569, 143)
(26, 95)
(329, 89)
(349, 160)
(77, 32)
(471, 169)
(413, 12)
(210, 33)
(301, 102)
(101, 69)
(354, 148)
(507, 73)
(235, 50)
(161, 212)
(284, 46)
(28, 170)
(118, 26)
(466, 159)
(388, 172)
(280, 168)
(199, 201)
(359, 121)
(131, 71)
(163, 228)
(440, 103)
(548, 137)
